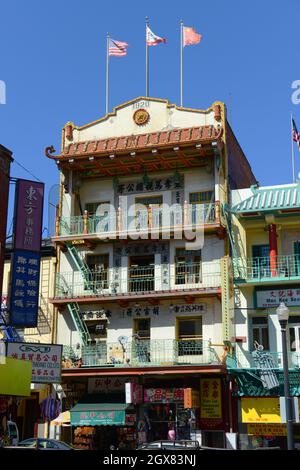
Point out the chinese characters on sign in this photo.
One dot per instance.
(24, 298)
(163, 184)
(45, 358)
(95, 314)
(272, 298)
(24, 295)
(163, 395)
(210, 399)
(107, 384)
(197, 308)
(140, 311)
(28, 215)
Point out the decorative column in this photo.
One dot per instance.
(273, 249)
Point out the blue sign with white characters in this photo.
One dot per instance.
(24, 299)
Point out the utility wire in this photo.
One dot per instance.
(15, 161)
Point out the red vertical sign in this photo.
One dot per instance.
(28, 215)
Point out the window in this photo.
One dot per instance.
(260, 332)
(96, 216)
(297, 257)
(261, 261)
(97, 329)
(141, 214)
(189, 335)
(141, 274)
(141, 327)
(187, 266)
(141, 342)
(92, 207)
(202, 213)
(150, 200)
(201, 197)
(99, 264)
(294, 333)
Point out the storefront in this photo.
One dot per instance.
(98, 426)
(212, 419)
(259, 417)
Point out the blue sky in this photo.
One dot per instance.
(52, 59)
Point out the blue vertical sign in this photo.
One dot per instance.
(24, 302)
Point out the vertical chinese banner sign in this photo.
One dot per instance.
(25, 273)
(211, 415)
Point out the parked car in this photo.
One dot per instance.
(171, 445)
(44, 444)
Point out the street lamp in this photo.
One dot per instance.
(283, 316)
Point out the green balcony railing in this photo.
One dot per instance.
(138, 279)
(285, 267)
(156, 352)
(242, 359)
(156, 218)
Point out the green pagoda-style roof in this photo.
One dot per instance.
(268, 199)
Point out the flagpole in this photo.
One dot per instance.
(181, 63)
(293, 150)
(147, 60)
(107, 72)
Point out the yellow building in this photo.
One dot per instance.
(265, 236)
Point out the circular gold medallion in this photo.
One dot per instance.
(141, 117)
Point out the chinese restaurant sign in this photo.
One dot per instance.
(273, 297)
(24, 300)
(97, 418)
(28, 215)
(210, 399)
(163, 395)
(45, 358)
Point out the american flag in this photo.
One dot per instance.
(117, 48)
(295, 134)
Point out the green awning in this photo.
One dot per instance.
(249, 383)
(98, 414)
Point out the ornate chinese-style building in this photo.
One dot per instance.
(143, 284)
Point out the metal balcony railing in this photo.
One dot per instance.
(258, 269)
(242, 359)
(152, 218)
(143, 353)
(135, 280)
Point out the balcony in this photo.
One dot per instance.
(154, 220)
(142, 353)
(254, 270)
(263, 360)
(140, 281)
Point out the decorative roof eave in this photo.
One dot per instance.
(284, 200)
(143, 142)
